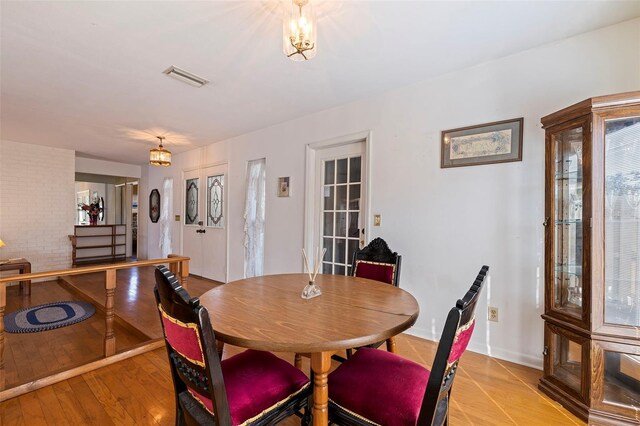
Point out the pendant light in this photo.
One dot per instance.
(160, 156)
(299, 39)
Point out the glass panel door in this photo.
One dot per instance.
(568, 221)
(341, 208)
(622, 222)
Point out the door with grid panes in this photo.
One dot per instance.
(340, 180)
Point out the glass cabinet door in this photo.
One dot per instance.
(622, 222)
(568, 201)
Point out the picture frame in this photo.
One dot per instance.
(154, 205)
(490, 143)
(283, 186)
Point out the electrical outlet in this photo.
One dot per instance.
(493, 314)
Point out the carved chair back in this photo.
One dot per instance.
(455, 338)
(377, 262)
(190, 341)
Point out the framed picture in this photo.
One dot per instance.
(154, 206)
(283, 186)
(490, 143)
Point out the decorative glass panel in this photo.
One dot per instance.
(215, 201)
(341, 175)
(341, 197)
(354, 169)
(329, 172)
(622, 222)
(567, 361)
(568, 221)
(191, 202)
(328, 198)
(341, 251)
(622, 379)
(341, 224)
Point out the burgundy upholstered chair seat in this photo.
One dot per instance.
(390, 388)
(256, 382)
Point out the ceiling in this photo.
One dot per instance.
(87, 75)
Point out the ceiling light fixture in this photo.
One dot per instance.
(185, 76)
(160, 156)
(300, 31)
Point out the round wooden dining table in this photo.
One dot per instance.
(268, 313)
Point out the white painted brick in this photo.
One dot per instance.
(37, 209)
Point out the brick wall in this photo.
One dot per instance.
(37, 204)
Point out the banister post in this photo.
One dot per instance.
(184, 273)
(109, 335)
(174, 266)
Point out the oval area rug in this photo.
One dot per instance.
(47, 316)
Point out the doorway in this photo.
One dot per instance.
(204, 229)
(336, 203)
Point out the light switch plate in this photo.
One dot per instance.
(376, 220)
(177, 218)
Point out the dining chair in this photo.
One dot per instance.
(250, 388)
(376, 387)
(377, 262)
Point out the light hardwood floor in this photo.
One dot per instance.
(487, 391)
(138, 390)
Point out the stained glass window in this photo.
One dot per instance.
(215, 201)
(191, 202)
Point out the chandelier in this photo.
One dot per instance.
(299, 31)
(160, 156)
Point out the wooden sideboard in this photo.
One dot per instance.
(98, 243)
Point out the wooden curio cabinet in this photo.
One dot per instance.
(592, 259)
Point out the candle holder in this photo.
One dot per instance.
(311, 290)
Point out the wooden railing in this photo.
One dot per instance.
(179, 265)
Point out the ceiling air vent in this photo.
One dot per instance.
(185, 76)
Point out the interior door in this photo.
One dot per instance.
(204, 236)
(192, 224)
(214, 235)
(340, 209)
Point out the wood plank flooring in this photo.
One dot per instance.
(134, 299)
(138, 390)
(30, 356)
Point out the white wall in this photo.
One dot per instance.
(446, 223)
(37, 204)
(108, 168)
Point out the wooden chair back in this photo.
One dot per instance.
(195, 364)
(376, 261)
(455, 338)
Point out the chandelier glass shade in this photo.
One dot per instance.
(299, 35)
(160, 156)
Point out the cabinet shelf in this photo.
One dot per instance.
(100, 243)
(568, 222)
